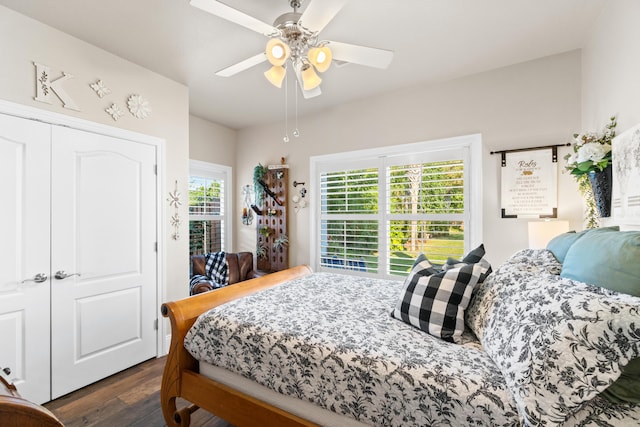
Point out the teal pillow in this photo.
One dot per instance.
(627, 387)
(606, 258)
(560, 245)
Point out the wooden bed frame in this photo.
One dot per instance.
(17, 411)
(181, 377)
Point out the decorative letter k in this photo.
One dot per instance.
(44, 87)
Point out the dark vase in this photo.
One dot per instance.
(601, 184)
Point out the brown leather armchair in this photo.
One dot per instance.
(240, 268)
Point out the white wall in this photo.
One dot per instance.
(214, 143)
(23, 41)
(535, 103)
(211, 142)
(530, 104)
(611, 68)
(611, 71)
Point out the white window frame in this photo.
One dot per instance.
(216, 171)
(471, 146)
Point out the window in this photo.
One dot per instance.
(349, 220)
(209, 198)
(380, 208)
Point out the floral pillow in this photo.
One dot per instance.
(557, 342)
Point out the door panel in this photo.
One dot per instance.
(24, 253)
(108, 193)
(125, 328)
(104, 211)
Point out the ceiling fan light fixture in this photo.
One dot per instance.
(310, 80)
(275, 75)
(320, 57)
(277, 51)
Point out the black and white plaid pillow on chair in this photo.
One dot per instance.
(217, 268)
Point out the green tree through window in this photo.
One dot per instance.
(422, 206)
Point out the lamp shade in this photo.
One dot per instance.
(277, 51)
(541, 232)
(310, 80)
(320, 57)
(275, 75)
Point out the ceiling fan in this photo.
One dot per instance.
(294, 36)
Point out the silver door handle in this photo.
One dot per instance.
(61, 274)
(38, 278)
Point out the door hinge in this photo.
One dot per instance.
(155, 324)
(155, 169)
(155, 246)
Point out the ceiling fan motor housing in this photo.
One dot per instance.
(295, 35)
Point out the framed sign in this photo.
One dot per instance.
(529, 181)
(626, 177)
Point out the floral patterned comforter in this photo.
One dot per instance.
(558, 342)
(329, 339)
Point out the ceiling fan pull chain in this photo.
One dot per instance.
(296, 132)
(286, 109)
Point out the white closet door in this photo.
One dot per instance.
(103, 238)
(24, 253)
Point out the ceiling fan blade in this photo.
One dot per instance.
(242, 65)
(369, 56)
(320, 12)
(307, 94)
(233, 15)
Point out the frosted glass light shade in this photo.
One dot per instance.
(275, 75)
(310, 80)
(320, 57)
(541, 232)
(277, 52)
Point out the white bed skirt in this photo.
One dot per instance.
(301, 408)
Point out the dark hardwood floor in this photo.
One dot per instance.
(129, 398)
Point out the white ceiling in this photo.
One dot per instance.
(433, 40)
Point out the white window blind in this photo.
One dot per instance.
(208, 220)
(425, 212)
(349, 224)
(378, 212)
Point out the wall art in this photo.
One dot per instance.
(139, 107)
(115, 112)
(529, 183)
(45, 87)
(100, 89)
(175, 220)
(626, 176)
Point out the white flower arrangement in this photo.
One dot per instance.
(591, 151)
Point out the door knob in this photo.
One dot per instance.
(38, 278)
(61, 274)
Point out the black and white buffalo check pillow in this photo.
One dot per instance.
(217, 268)
(435, 301)
(472, 257)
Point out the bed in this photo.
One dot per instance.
(283, 350)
